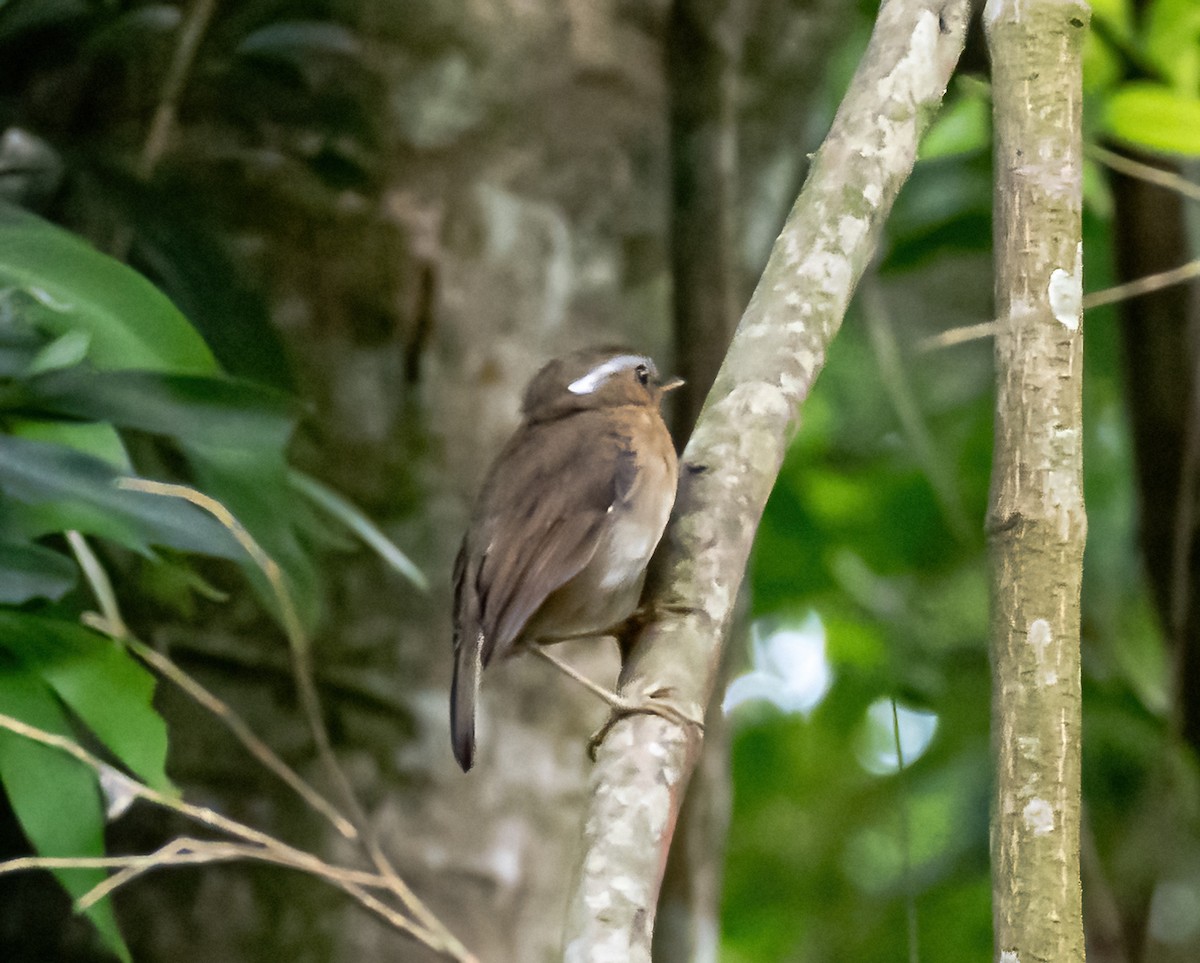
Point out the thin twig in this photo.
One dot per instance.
(190, 34)
(113, 624)
(908, 412)
(100, 584)
(184, 851)
(191, 852)
(243, 733)
(956, 336)
(1144, 172)
(272, 849)
(1145, 285)
(310, 702)
(1096, 299)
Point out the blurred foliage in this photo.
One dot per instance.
(104, 376)
(96, 367)
(827, 858)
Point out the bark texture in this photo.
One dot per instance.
(1036, 523)
(733, 458)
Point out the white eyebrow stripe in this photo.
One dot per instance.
(602, 372)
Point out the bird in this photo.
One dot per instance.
(565, 523)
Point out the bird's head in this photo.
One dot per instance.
(606, 377)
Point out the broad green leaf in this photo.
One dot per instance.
(1097, 191)
(131, 32)
(50, 488)
(98, 439)
(182, 251)
(55, 798)
(1103, 64)
(29, 571)
(215, 411)
(131, 323)
(100, 682)
(1156, 118)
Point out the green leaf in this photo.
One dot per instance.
(131, 323)
(19, 344)
(97, 439)
(33, 571)
(133, 31)
(1172, 42)
(100, 682)
(1156, 118)
(346, 513)
(55, 797)
(215, 410)
(50, 488)
(63, 352)
(299, 40)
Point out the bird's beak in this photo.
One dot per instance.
(671, 384)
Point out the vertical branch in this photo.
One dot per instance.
(733, 459)
(1036, 520)
(704, 45)
(704, 51)
(163, 122)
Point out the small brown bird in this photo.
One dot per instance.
(567, 520)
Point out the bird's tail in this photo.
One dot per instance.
(463, 691)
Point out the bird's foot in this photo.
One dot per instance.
(652, 703)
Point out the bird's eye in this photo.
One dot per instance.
(643, 374)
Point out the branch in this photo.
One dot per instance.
(190, 34)
(1144, 172)
(1036, 520)
(733, 458)
(264, 846)
(1143, 285)
(112, 623)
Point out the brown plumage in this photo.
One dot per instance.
(566, 521)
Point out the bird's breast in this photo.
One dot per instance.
(607, 589)
(636, 524)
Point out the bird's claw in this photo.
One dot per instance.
(649, 705)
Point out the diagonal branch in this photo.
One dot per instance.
(734, 456)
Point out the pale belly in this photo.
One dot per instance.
(606, 591)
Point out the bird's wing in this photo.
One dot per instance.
(542, 511)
